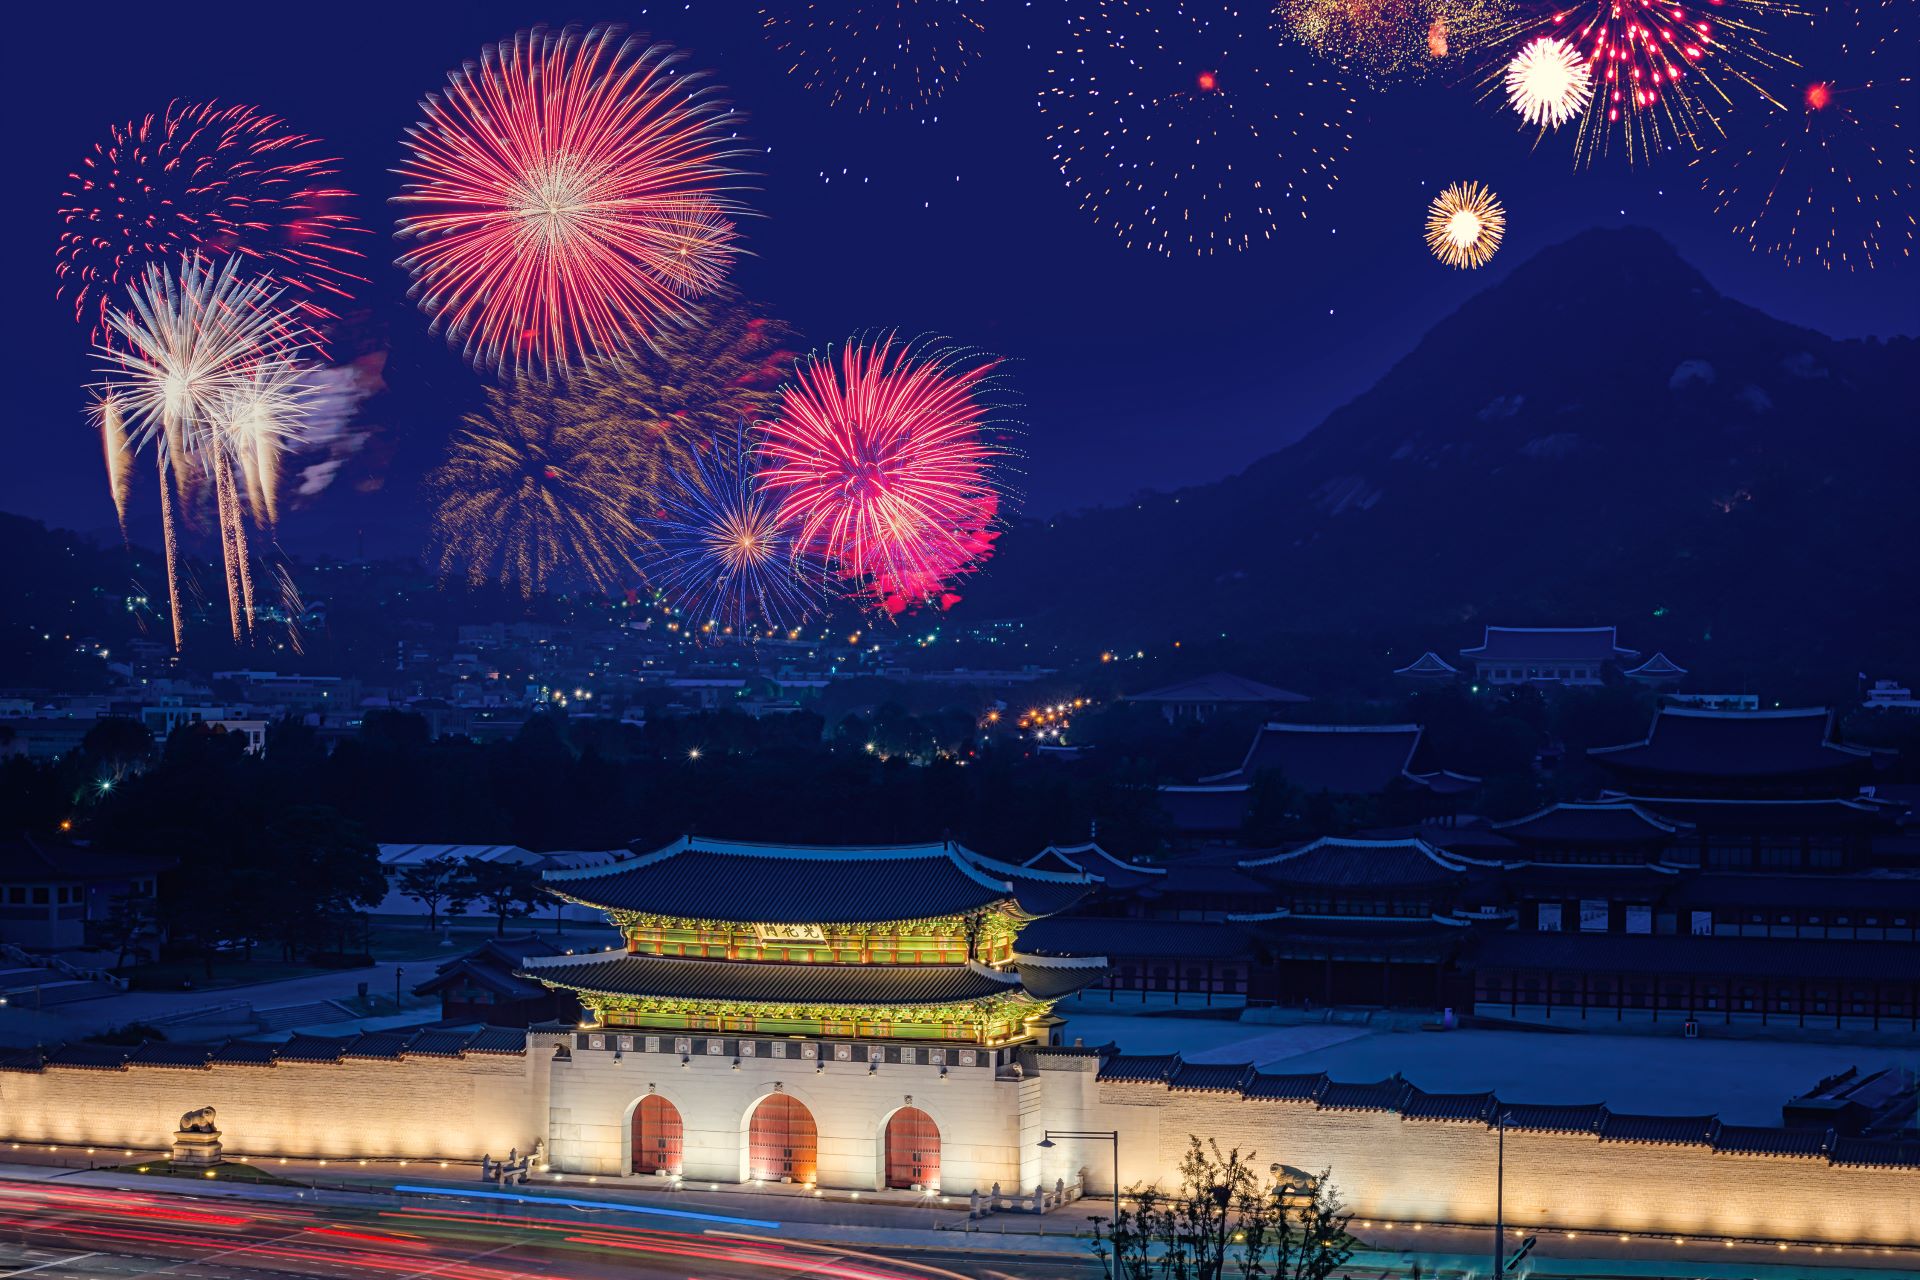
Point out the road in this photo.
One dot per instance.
(67, 1233)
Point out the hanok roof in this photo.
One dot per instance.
(1658, 667)
(1210, 1077)
(1206, 808)
(1759, 958)
(376, 1046)
(1613, 824)
(408, 855)
(1218, 688)
(1092, 860)
(1336, 861)
(698, 878)
(1343, 759)
(773, 982)
(1711, 814)
(1118, 937)
(23, 858)
(1735, 744)
(1428, 664)
(1549, 644)
(1661, 1131)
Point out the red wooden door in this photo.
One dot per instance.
(657, 1137)
(913, 1149)
(782, 1141)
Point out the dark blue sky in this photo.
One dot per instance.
(1137, 371)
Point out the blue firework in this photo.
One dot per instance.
(722, 557)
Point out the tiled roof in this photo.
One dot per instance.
(1119, 936)
(1765, 958)
(1659, 665)
(1221, 686)
(1735, 744)
(1552, 1118)
(1205, 809)
(244, 1053)
(1428, 664)
(498, 1040)
(1091, 859)
(1822, 815)
(1210, 1077)
(1421, 1105)
(1616, 823)
(1135, 1068)
(1549, 644)
(1766, 1140)
(89, 1057)
(811, 884)
(1336, 862)
(1056, 981)
(314, 1049)
(779, 983)
(1665, 1131)
(1381, 1095)
(1875, 1153)
(22, 1059)
(473, 971)
(380, 1046)
(438, 1044)
(1342, 759)
(161, 1054)
(1288, 1087)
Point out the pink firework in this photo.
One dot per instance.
(566, 197)
(882, 463)
(212, 181)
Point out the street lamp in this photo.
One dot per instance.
(1094, 1135)
(1500, 1202)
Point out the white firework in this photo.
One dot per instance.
(1549, 83)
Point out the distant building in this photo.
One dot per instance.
(49, 892)
(1550, 655)
(1657, 672)
(1428, 668)
(1204, 697)
(1887, 695)
(481, 986)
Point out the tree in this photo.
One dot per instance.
(506, 888)
(431, 882)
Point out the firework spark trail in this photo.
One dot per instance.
(170, 539)
(1827, 177)
(200, 178)
(1664, 71)
(542, 188)
(883, 467)
(117, 454)
(1387, 40)
(882, 55)
(1186, 129)
(206, 367)
(723, 556)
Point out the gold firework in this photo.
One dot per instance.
(1464, 225)
(1548, 83)
(548, 487)
(1391, 39)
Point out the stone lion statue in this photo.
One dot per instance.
(200, 1121)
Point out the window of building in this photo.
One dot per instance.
(1701, 924)
(40, 895)
(1639, 919)
(1593, 915)
(1549, 918)
(16, 894)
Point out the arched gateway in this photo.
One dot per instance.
(913, 1149)
(782, 1142)
(658, 1139)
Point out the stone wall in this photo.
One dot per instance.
(988, 1120)
(443, 1108)
(1390, 1168)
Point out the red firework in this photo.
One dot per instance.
(200, 178)
(566, 197)
(882, 465)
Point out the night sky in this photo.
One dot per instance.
(1137, 371)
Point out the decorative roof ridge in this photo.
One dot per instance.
(1254, 917)
(1416, 663)
(591, 957)
(1660, 656)
(1659, 868)
(965, 860)
(1094, 848)
(1849, 802)
(1288, 726)
(1603, 805)
(1450, 861)
(1056, 962)
(1221, 788)
(996, 867)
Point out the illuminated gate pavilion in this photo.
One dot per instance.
(856, 1017)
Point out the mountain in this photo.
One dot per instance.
(1602, 437)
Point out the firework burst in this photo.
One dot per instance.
(1826, 178)
(883, 465)
(199, 178)
(1465, 224)
(1664, 72)
(1391, 39)
(1548, 83)
(553, 190)
(207, 369)
(882, 55)
(1184, 131)
(722, 555)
